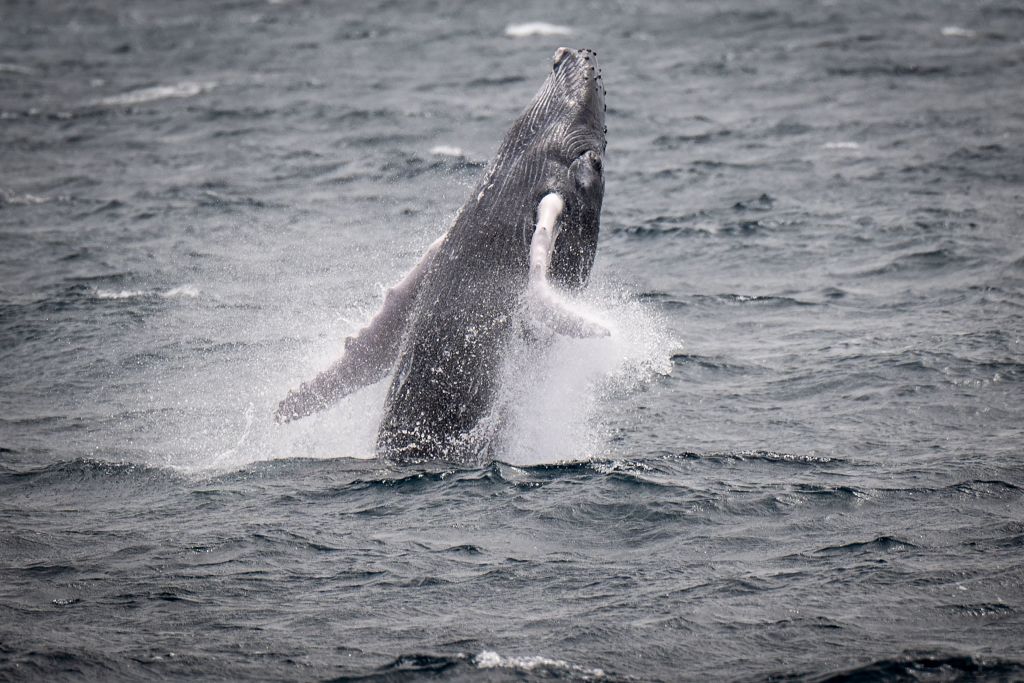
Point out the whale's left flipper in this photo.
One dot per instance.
(543, 301)
(369, 354)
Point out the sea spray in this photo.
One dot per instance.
(553, 387)
(550, 404)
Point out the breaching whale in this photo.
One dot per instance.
(529, 229)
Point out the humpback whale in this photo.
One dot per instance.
(528, 230)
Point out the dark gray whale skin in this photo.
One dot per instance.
(445, 328)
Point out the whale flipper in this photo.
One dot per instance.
(369, 354)
(543, 301)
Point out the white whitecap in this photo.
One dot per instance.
(841, 145)
(447, 151)
(118, 293)
(536, 28)
(21, 199)
(489, 659)
(189, 291)
(958, 32)
(157, 92)
(10, 68)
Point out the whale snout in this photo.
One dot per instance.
(560, 55)
(584, 58)
(576, 74)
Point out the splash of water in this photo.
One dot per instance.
(552, 393)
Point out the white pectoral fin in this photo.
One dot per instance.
(548, 308)
(369, 354)
(543, 301)
(549, 210)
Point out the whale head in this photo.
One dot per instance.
(557, 146)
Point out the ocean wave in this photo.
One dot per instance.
(925, 667)
(9, 198)
(661, 230)
(80, 473)
(789, 458)
(890, 69)
(985, 488)
(182, 291)
(494, 81)
(980, 610)
(716, 364)
(958, 32)
(180, 90)
(17, 69)
(488, 659)
(677, 140)
(447, 151)
(460, 666)
(881, 544)
(841, 144)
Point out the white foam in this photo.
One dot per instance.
(246, 433)
(958, 32)
(231, 454)
(118, 294)
(447, 151)
(157, 92)
(8, 67)
(489, 659)
(188, 291)
(841, 145)
(536, 28)
(552, 393)
(21, 199)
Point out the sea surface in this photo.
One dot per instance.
(797, 458)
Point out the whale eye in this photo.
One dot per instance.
(587, 170)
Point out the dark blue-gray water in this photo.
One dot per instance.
(797, 458)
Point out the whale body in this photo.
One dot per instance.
(528, 230)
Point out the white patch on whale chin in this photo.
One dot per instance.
(536, 28)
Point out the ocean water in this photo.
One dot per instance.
(798, 457)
